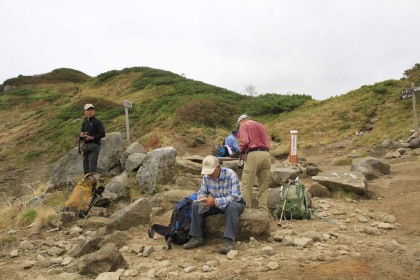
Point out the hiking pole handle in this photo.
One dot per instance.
(276, 211)
(284, 206)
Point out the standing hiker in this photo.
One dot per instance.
(219, 193)
(254, 144)
(91, 133)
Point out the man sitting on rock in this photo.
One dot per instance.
(219, 193)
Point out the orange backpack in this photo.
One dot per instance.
(82, 193)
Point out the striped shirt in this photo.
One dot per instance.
(224, 189)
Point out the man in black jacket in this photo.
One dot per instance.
(92, 132)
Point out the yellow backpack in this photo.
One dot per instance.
(82, 193)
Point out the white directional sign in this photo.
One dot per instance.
(406, 93)
(128, 104)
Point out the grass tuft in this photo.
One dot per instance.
(26, 217)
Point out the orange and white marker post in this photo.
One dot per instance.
(293, 147)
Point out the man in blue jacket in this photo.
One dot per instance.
(232, 143)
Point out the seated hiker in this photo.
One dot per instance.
(231, 142)
(219, 193)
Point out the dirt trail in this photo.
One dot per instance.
(351, 254)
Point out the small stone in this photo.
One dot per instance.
(273, 265)
(267, 250)
(232, 254)
(190, 269)
(207, 268)
(14, 254)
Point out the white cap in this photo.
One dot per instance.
(87, 106)
(242, 117)
(209, 165)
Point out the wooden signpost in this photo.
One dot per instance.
(293, 157)
(411, 92)
(127, 104)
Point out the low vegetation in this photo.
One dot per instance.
(47, 112)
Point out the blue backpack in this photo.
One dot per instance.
(179, 228)
(220, 151)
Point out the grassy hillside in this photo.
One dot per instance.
(41, 115)
(376, 106)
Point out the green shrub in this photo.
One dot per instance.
(155, 77)
(20, 92)
(107, 75)
(380, 89)
(55, 76)
(276, 103)
(208, 112)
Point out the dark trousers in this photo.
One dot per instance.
(231, 212)
(90, 160)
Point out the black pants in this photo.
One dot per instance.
(90, 160)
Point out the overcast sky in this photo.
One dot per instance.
(322, 48)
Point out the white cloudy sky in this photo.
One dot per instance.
(318, 47)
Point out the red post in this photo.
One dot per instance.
(293, 147)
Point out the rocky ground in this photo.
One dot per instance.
(369, 238)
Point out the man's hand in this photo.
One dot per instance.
(209, 202)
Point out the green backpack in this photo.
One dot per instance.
(295, 202)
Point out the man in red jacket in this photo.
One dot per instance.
(254, 144)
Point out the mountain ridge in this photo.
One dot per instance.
(42, 114)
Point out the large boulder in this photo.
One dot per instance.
(280, 174)
(170, 198)
(413, 140)
(137, 213)
(135, 147)
(158, 168)
(106, 259)
(109, 157)
(371, 167)
(350, 182)
(252, 223)
(88, 246)
(120, 186)
(186, 165)
(134, 161)
(68, 169)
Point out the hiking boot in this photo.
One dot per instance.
(194, 242)
(227, 246)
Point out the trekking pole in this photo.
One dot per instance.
(241, 162)
(276, 211)
(90, 207)
(98, 194)
(284, 206)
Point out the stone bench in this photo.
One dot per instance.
(252, 223)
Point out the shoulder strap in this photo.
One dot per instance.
(80, 151)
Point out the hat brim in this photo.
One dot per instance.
(207, 170)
